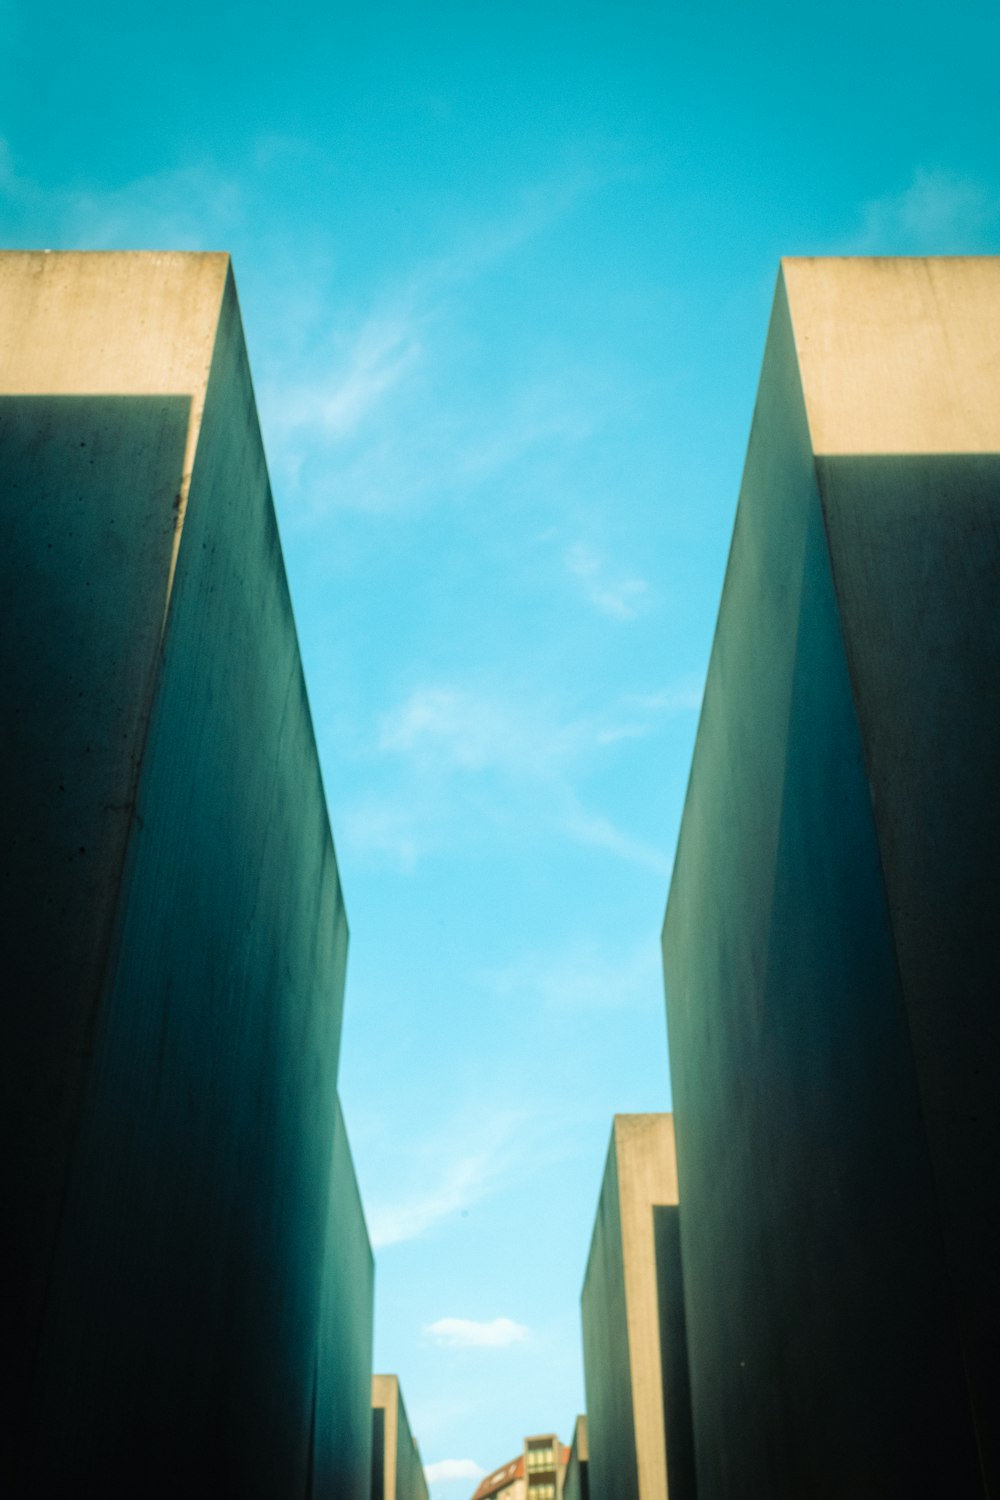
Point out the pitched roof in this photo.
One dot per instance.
(500, 1478)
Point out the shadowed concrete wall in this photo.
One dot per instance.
(343, 1414)
(623, 1369)
(397, 1472)
(178, 938)
(577, 1485)
(676, 1380)
(829, 944)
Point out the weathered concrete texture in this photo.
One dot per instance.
(342, 1463)
(176, 938)
(397, 1471)
(623, 1366)
(829, 945)
(577, 1484)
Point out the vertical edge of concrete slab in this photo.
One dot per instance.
(613, 1470)
(385, 1414)
(101, 390)
(343, 1458)
(180, 1331)
(676, 1378)
(403, 1473)
(901, 369)
(647, 1175)
(576, 1486)
(621, 1322)
(809, 1228)
(410, 1481)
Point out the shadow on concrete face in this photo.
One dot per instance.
(88, 511)
(915, 544)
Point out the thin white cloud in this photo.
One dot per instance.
(193, 207)
(446, 1469)
(583, 976)
(439, 433)
(936, 213)
(504, 760)
(465, 729)
(385, 828)
(615, 595)
(385, 349)
(466, 1333)
(682, 696)
(190, 208)
(443, 1181)
(599, 832)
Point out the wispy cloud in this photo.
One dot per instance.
(938, 212)
(443, 1181)
(466, 1333)
(194, 207)
(396, 829)
(599, 832)
(582, 976)
(682, 696)
(614, 594)
(363, 370)
(465, 729)
(516, 756)
(191, 208)
(446, 1469)
(451, 415)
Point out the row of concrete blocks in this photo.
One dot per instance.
(187, 1277)
(828, 1291)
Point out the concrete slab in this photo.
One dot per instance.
(622, 1321)
(397, 1471)
(828, 951)
(342, 1423)
(177, 932)
(577, 1483)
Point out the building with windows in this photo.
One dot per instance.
(537, 1473)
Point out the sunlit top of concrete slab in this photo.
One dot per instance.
(130, 323)
(898, 355)
(111, 323)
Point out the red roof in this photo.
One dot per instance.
(500, 1478)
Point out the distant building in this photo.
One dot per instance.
(505, 1483)
(538, 1472)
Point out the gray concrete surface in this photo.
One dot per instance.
(577, 1484)
(342, 1422)
(829, 944)
(620, 1309)
(397, 1470)
(177, 937)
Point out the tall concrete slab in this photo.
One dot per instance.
(577, 1483)
(621, 1313)
(176, 937)
(397, 1471)
(829, 944)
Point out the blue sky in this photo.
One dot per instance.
(505, 274)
